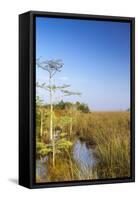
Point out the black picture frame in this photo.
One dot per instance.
(27, 98)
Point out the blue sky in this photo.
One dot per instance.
(96, 56)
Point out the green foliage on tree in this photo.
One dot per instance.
(82, 107)
(52, 67)
(75, 106)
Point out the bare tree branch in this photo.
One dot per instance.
(69, 93)
(52, 66)
(43, 86)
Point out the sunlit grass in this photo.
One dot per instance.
(109, 134)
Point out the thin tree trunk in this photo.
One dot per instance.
(71, 126)
(71, 121)
(51, 112)
(41, 128)
(51, 122)
(70, 161)
(53, 144)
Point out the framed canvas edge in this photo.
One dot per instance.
(32, 183)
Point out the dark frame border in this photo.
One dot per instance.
(31, 140)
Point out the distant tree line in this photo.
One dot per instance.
(69, 105)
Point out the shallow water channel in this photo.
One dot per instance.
(82, 154)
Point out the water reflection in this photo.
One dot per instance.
(41, 169)
(82, 154)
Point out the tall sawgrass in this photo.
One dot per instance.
(110, 132)
(67, 170)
